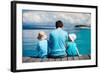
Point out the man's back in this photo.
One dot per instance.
(57, 42)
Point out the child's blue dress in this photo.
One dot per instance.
(71, 49)
(42, 47)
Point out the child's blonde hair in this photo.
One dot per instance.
(42, 35)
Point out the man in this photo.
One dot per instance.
(57, 41)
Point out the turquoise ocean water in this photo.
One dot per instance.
(30, 40)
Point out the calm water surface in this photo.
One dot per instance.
(30, 40)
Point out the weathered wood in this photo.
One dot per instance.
(25, 59)
(64, 59)
(37, 60)
(34, 60)
(30, 59)
(76, 58)
(51, 59)
(70, 58)
(58, 59)
(84, 57)
(45, 60)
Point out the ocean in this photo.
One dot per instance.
(29, 40)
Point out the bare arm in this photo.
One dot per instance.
(78, 52)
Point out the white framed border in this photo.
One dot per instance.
(39, 65)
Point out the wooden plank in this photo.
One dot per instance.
(76, 58)
(70, 58)
(44, 60)
(51, 59)
(84, 57)
(25, 59)
(37, 60)
(34, 60)
(58, 59)
(29, 59)
(64, 59)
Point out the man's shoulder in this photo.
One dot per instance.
(65, 32)
(53, 31)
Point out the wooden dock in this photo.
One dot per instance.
(31, 59)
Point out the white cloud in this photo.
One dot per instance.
(49, 17)
(79, 18)
(31, 17)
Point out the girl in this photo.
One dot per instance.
(42, 45)
(72, 49)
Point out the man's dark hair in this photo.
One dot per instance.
(59, 24)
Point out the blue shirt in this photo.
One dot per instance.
(57, 42)
(71, 49)
(42, 47)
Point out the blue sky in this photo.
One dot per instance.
(47, 17)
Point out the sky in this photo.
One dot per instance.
(48, 17)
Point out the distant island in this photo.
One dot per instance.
(82, 26)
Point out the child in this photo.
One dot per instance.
(71, 46)
(42, 45)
